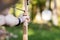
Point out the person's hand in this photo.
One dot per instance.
(23, 18)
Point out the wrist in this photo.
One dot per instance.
(19, 22)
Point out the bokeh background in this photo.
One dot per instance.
(38, 29)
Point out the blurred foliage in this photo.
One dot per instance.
(14, 10)
(37, 4)
(33, 5)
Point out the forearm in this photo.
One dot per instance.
(12, 20)
(2, 20)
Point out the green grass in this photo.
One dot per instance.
(37, 33)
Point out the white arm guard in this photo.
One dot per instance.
(11, 20)
(2, 20)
